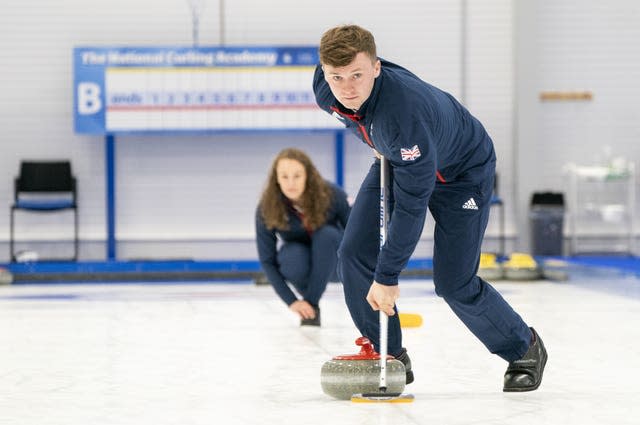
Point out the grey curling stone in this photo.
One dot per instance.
(522, 267)
(6, 278)
(344, 376)
(491, 273)
(522, 273)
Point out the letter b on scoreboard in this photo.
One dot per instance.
(89, 114)
(88, 99)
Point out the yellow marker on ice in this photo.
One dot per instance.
(410, 320)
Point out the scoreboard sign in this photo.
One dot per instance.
(128, 89)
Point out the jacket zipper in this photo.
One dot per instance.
(356, 119)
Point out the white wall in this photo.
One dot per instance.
(574, 45)
(194, 196)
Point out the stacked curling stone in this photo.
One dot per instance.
(346, 375)
(489, 268)
(522, 266)
(6, 277)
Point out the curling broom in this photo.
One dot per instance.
(382, 396)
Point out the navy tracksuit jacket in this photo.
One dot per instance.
(440, 158)
(306, 260)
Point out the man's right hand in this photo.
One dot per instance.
(383, 297)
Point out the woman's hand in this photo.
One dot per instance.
(303, 309)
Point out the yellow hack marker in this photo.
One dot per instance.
(410, 320)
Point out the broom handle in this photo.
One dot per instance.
(383, 351)
(384, 320)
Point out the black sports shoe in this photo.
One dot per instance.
(526, 374)
(406, 361)
(312, 322)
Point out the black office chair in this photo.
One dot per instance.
(45, 187)
(496, 200)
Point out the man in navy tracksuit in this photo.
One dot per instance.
(440, 158)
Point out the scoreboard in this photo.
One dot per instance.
(157, 89)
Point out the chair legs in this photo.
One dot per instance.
(12, 257)
(76, 242)
(76, 239)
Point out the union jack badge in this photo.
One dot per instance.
(410, 154)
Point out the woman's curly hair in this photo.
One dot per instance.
(315, 200)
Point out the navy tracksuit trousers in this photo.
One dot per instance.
(309, 267)
(457, 242)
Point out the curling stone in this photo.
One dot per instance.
(6, 278)
(557, 270)
(349, 374)
(521, 267)
(489, 268)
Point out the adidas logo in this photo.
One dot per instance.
(470, 205)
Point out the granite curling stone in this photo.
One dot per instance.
(490, 269)
(346, 375)
(521, 266)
